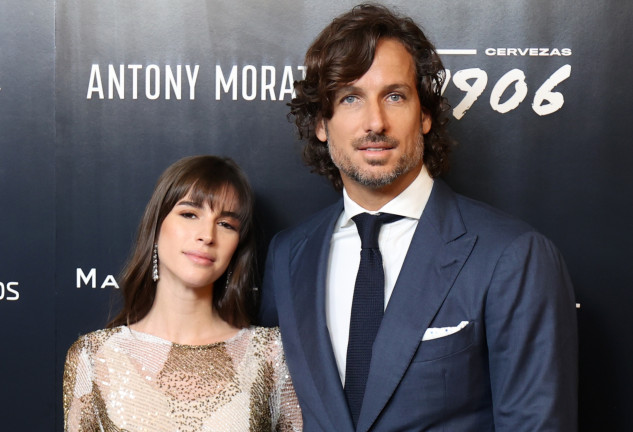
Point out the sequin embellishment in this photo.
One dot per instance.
(121, 380)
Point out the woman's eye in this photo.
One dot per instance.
(228, 225)
(188, 215)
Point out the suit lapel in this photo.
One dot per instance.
(438, 250)
(308, 278)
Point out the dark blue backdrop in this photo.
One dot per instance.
(79, 154)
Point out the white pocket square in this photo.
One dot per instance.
(438, 332)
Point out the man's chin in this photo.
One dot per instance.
(375, 180)
(376, 162)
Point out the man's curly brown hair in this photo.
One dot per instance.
(341, 54)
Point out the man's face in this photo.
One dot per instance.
(375, 134)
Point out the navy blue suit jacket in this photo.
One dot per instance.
(513, 367)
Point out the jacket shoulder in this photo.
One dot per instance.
(483, 218)
(306, 227)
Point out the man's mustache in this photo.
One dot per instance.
(373, 137)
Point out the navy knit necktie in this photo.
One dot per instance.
(367, 308)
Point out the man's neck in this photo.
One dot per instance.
(373, 199)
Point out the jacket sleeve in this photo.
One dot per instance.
(267, 315)
(532, 339)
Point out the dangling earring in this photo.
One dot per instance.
(228, 277)
(155, 276)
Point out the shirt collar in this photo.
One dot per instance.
(409, 203)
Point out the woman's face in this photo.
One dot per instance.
(196, 243)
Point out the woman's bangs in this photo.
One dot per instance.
(219, 196)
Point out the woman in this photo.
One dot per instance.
(181, 356)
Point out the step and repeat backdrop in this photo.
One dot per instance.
(97, 98)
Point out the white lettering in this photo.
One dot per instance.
(253, 82)
(172, 83)
(515, 76)
(534, 52)
(268, 85)
(545, 101)
(135, 68)
(91, 278)
(264, 80)
(110, 281)
(473, 91)
(544, 93)
(155, 71)
(16, 294)
(95, 82)
(115, 82)
(8, 289)
(192, 80)
(303, 71)
(221, 83)
(287, 84)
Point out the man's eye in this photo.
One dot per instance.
(349, 99)
(395, 97)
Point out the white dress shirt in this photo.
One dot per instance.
(394, 240)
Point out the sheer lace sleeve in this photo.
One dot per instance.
(79, 407)
(286, 413)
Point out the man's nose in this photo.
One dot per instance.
(375, 118)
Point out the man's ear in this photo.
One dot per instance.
(321, 130)
(426, 121)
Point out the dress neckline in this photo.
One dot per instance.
(146, 336)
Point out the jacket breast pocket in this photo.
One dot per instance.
(446, 346)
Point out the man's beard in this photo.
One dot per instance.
(405, 163)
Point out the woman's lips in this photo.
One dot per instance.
(200, 257)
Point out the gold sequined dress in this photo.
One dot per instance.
(122, 380)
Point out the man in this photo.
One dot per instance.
(479, 327)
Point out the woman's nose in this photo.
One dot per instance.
(206, 234)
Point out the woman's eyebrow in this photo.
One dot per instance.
(189, 204)
(231, 214)
(223, 213)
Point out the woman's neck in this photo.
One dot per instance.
(185, 317)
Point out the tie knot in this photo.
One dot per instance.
(368, 226)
